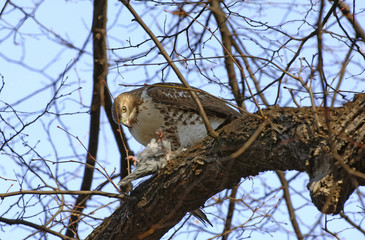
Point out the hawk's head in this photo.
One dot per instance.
(124, 109)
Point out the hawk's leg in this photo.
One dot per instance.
(163, 148)
(133, 158)
(160, 139)
(160, 135)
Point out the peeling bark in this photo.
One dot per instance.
(331, 155)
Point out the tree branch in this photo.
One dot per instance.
(100, 75)
(221, 19)
(346, 11)
(291, 142)
(289, 204)
(36, 226)
(231, 209)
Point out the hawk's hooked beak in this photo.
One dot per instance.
(128, 124)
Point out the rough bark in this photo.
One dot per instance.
(290, 140)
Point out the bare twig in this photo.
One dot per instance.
(345, 9)
(231, 208)
(289, 204)
(36, 226)
(227, 48)
(358, 227)
(62, 192)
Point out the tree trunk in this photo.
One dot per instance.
(329, 150)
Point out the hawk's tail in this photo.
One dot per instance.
(199, 214)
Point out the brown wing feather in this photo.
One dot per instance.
(182, 98)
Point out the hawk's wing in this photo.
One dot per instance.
(176, 95)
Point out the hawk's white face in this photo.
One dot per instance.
(139, 115)
(124, 110)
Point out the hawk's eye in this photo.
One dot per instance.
(124, 109)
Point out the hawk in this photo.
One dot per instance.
(170, 109)
(167, 108)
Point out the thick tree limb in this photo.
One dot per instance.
(290, 142)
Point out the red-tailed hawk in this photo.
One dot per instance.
(166, 107)
(170, 108)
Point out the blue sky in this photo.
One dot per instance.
(44, 58)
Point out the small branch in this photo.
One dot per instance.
(250, 72)
(325, 228)
(91, 165)
(36, 226)
(67, 192)
(289, 204)
(310, 92)
(345, 9)
(358, 227)
(3, 9)
(342, 74)
(226, 37)
(231, 208)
